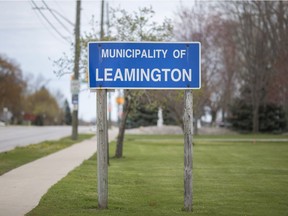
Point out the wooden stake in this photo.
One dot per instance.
(102, 166)
(188, 136)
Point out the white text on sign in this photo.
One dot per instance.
(141, 74)
(138, 53)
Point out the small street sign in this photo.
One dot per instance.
(75, 87)
(75, 99)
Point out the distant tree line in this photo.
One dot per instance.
(244, 63)
(25, 104)
(244, 60)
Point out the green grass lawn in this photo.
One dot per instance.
(229, 179)
(21, 155)
(243, 136)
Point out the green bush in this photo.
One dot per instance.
(142, 116)
(272, 117)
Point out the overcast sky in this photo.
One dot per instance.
(27, 38)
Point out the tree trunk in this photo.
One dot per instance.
(256, 118)
(256, 97)
(214, 116)
(195, 125)
(122, 127)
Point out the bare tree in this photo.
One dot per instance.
(224, 40)
(136, 26)
(123, 26)
(260, 31)
(194, 24)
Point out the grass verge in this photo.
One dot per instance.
(229, 179)
(21, 155)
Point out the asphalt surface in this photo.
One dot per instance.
(13, 136)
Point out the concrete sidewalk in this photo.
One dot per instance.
(22, 188)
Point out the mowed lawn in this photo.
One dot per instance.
(242, 178)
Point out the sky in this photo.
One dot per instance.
(30, 41)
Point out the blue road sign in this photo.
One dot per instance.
(145, 65)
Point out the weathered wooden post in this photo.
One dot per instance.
(188, 150)
(102, 166)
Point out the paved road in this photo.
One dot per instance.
(12, 136)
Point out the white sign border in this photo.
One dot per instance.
(94, 89)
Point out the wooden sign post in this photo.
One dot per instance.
(102, 146)
(188, 149)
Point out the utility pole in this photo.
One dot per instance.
(107, 20)
(76, 71)
(102, 21)
(102, 136)
(101, 38)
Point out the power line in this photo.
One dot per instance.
(59, 21)
(48, 21)
(59, 7)
(54, 11)
(63, 17)
(45, 25)
(59, 14)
